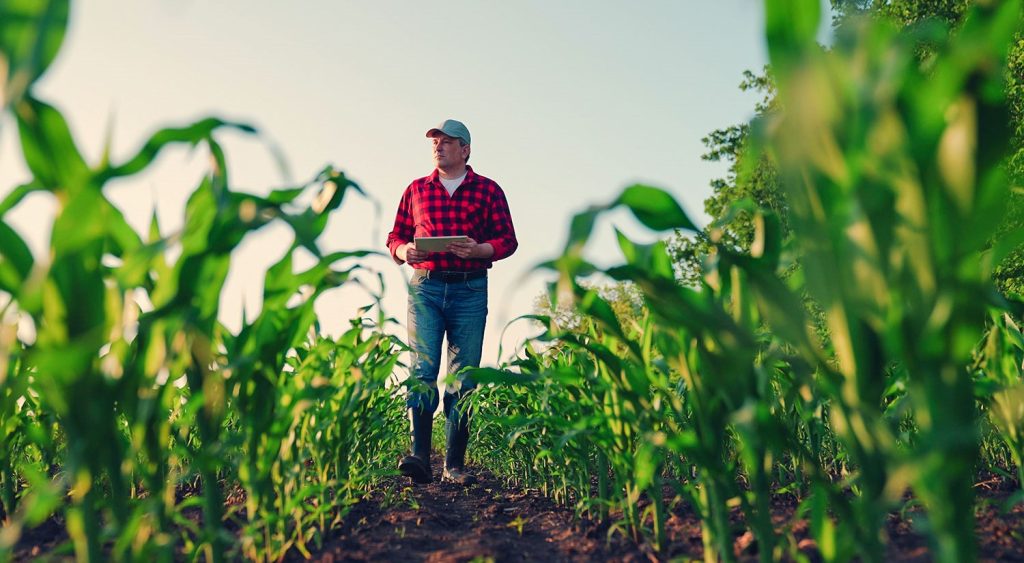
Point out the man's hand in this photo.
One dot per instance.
(408, 253)
(471, 249)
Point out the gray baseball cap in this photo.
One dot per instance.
(451, 128)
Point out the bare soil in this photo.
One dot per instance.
(443, 522)
(446, 522)
(489, 521)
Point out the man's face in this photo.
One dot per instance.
(448, 152)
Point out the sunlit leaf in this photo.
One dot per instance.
(31, 33)
(49, 149)
(15, 260)
(189, 134)
(655, 208)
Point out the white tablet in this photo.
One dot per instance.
(437, 244)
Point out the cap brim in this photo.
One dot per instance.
(433, 132)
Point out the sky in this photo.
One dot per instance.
(567, 102)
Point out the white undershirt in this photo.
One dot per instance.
(453, 184)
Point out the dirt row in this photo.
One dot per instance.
(446, 522)
(442, 522)
(490, 521)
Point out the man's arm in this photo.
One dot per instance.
(402, 233)
(502, 235)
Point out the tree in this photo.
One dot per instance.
(729, 226)
(903, 12)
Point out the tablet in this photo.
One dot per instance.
(437, 244)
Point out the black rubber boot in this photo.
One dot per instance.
(417, 465)
(455, 457)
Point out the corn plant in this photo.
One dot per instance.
(892, 170)
(131, 386)
(331, 426)
(895, 182)
(999, 365)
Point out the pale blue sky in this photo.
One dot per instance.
(568, 102)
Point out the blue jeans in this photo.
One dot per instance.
(457, 309)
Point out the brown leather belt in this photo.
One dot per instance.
(451, 276)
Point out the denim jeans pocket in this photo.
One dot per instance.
(479, 284)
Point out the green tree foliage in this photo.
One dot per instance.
(903, 12)
(731, 223)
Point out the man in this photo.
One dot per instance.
(448, 290)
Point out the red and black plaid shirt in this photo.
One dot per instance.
(477, 209)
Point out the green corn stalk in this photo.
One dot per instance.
(13, 386)
(266, 396)
(894, 179)
(700, 339)
(876, 192)
(78, 303)
(632, 380)
(1000, 360)
(135, 421)
(31, 34)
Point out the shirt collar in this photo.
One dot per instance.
(470, 175)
